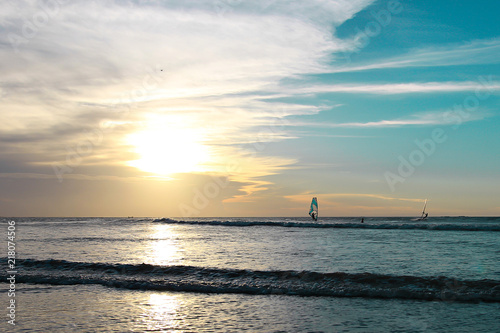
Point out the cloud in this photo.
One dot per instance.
(398, 88)
(482, 51)
(111, 45)
(327, 196)
(356, 204)
(112, 53)
(69, 69)
(436, 118)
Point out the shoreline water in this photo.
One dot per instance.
(138, 274)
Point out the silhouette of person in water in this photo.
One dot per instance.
(426, 215)
(362, 220)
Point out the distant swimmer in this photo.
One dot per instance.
(362, 220)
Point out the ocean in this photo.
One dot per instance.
(251, 275)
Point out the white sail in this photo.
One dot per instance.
(424, 214)
(313, 211)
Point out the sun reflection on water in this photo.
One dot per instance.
(165, 248)
(161, 312)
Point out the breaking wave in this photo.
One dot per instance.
(353, 225)
(218, 280)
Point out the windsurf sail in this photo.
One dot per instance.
(424, 214)
(313, 211)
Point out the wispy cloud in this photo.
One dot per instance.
(356, 204)
(446, 117)
(398, 88)
(326, 196)
(474, 52)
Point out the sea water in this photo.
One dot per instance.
(254, 275)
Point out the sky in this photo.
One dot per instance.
(249, 108)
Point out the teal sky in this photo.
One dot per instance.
(239, 108)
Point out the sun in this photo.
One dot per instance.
(166, 150)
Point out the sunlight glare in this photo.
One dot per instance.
(161, 312)
(168, 150)
(165, 249)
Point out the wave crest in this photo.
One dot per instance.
(350, 225)
(218, 280)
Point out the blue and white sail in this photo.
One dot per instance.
(313, 211)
